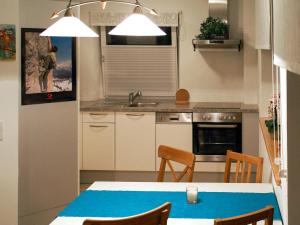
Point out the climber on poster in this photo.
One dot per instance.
(49, 63)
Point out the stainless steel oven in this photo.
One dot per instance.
(215, 133)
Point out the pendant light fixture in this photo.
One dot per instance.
(137, 24)
(69, 26)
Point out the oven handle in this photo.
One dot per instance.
(217, 126)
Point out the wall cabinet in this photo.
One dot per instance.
(98, 141)
(135, 141)
(286, 34)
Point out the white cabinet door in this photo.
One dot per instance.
(80, 142)
(174, 135)
(98, 146)
(135, 141)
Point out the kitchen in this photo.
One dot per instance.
(209, 77)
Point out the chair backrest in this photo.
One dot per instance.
(168, 154)
(158, 216)
(243, 167)
(265, 214)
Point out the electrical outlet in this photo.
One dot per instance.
(1, 131)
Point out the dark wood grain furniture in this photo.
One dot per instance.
(244, 165)
(265, 214)
(169, 154)
(158, 216)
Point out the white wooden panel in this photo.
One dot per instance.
(80, 141)
(174, 135)
(89, 117)
(250, 131)
(262, 24)
(287, 34)
(98, 146)
(135, 141)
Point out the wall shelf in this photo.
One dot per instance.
(217, 45)
(272, 149)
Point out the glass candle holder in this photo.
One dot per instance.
(192, 194)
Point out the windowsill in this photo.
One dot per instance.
(272, 149)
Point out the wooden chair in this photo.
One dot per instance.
(158, 216)
(241, 161)
(168, 154)
(265, 214)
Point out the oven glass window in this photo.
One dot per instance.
(217, 139)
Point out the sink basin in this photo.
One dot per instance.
(144, 104)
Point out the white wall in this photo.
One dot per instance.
(250, 94)
(9, 105)
(209, 76)
(48, 141)
(265, 93)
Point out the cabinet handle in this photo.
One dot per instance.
(130, 114)
(216, 126)
(97, 126)
(98, 114)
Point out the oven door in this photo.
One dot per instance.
(212, 140)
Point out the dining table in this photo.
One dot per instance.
(111, 200)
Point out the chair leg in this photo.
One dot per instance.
(162, 168)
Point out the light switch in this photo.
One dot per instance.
(1, 131)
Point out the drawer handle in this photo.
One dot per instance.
(174, 118)
(97, 126)
(98, 114)
(130, 114)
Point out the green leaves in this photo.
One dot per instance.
(213, 28)
(271, 125)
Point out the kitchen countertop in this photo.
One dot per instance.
(167, 106)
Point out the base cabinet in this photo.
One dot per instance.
(174, 135)
(98, 141)
(135, 141)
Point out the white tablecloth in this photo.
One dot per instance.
(165, 186)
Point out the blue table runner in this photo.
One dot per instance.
(127, 203)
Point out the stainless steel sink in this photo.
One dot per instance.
(144, 104)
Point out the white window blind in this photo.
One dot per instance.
(151, 69)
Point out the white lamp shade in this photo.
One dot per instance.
(137, 24)
(69, 26)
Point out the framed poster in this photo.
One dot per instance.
(48, 68)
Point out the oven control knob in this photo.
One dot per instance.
(229, 117)
(204, 117)
(208, 117)
(234, 118)
(221, 117)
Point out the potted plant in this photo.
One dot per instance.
(213, 28)
(272, 123)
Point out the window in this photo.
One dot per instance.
(148, 64)
(131, 40)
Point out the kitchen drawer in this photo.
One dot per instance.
(98, 117)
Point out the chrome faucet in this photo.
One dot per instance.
(133, 95)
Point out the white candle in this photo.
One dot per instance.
(192, 194)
